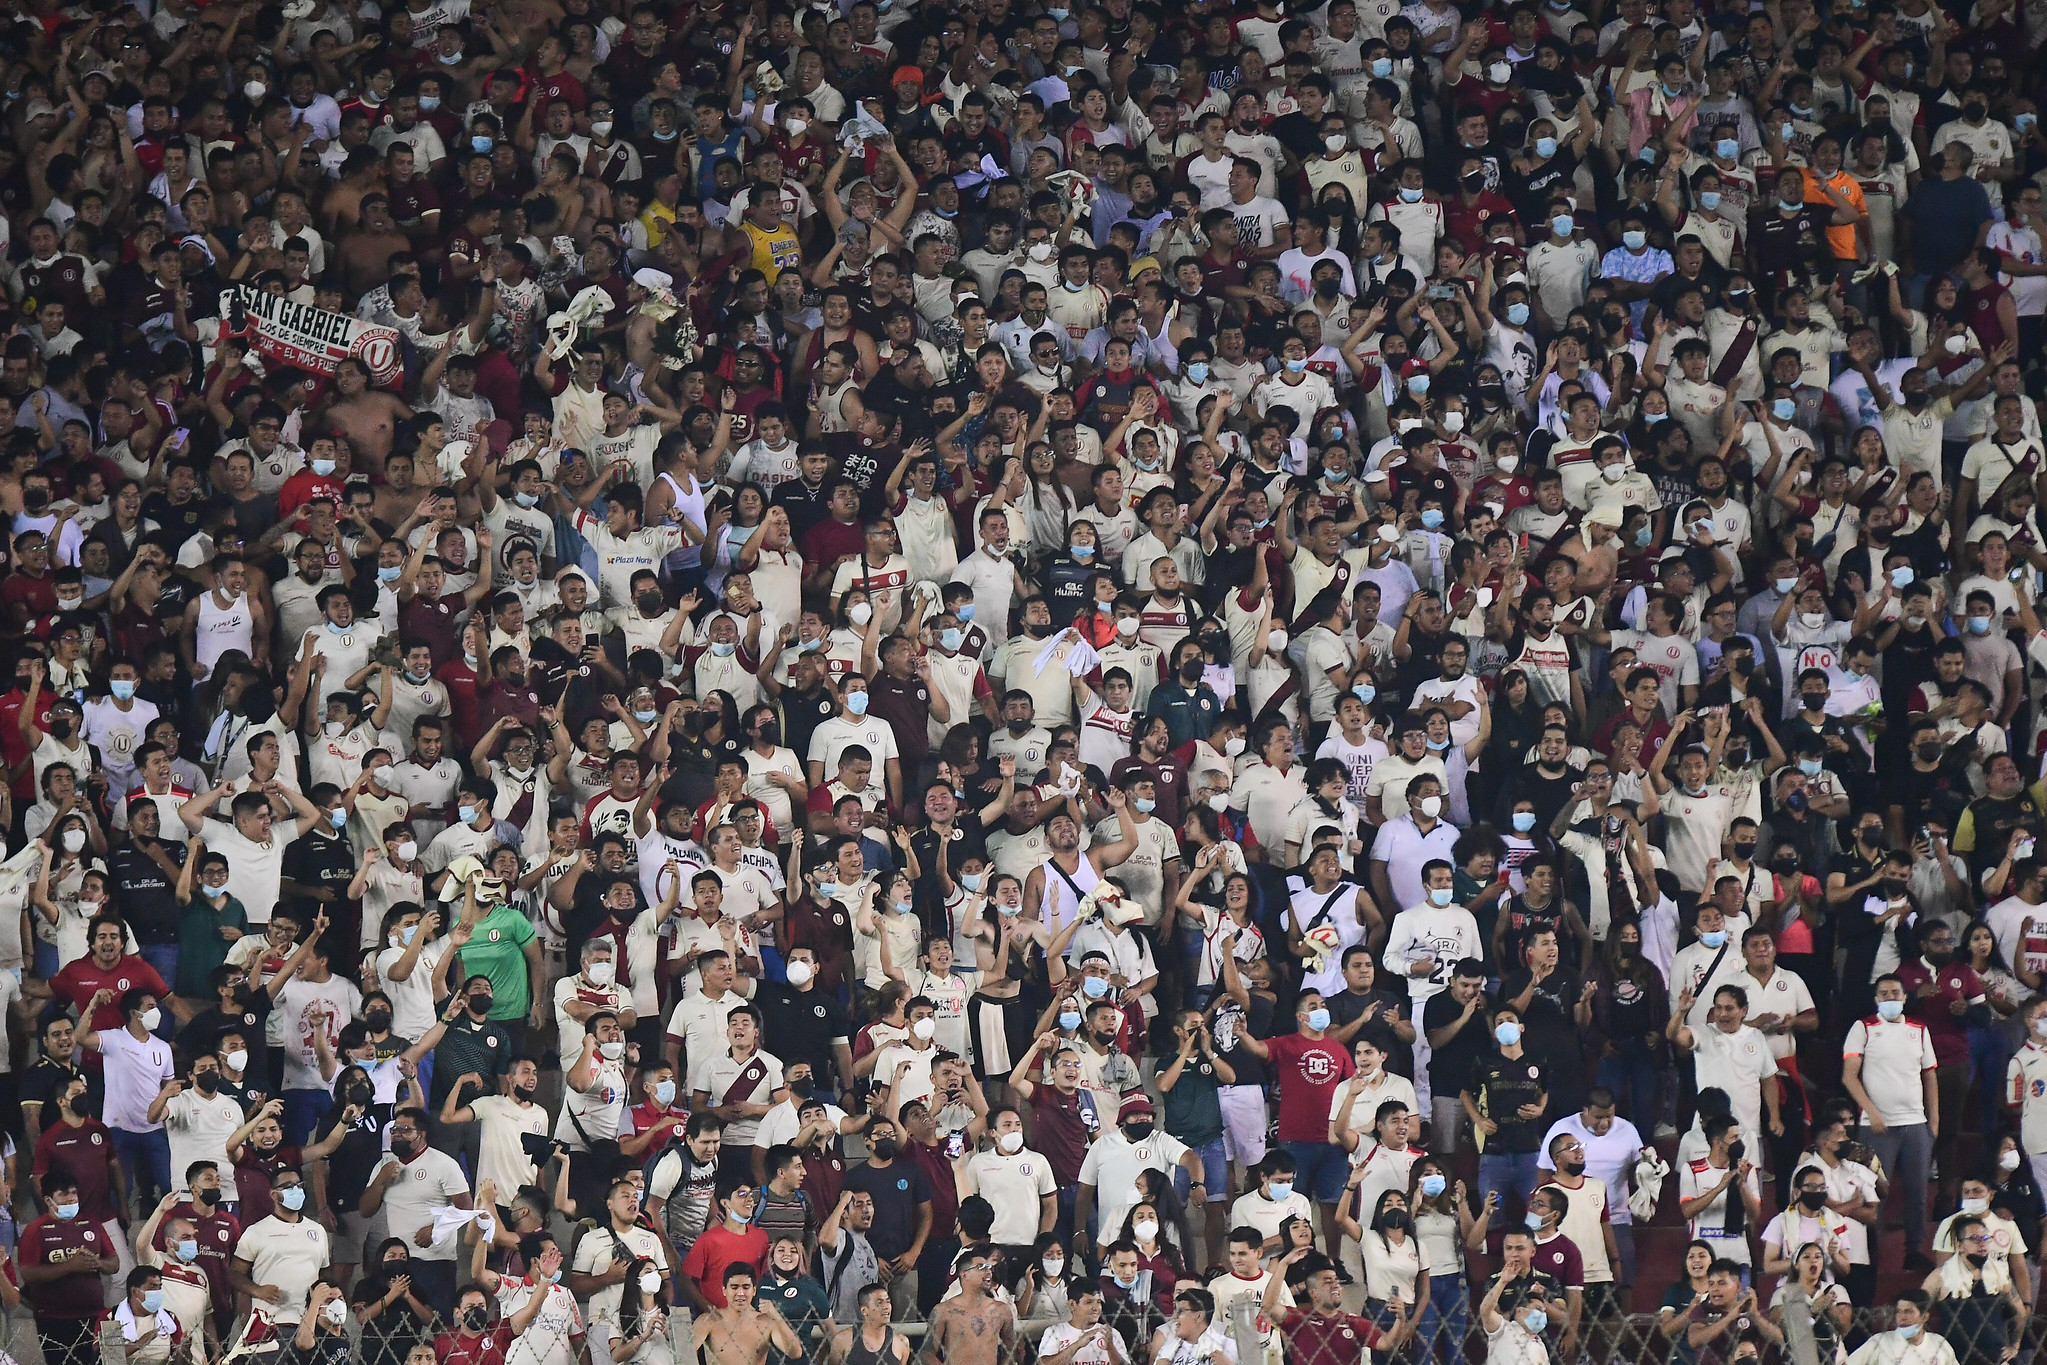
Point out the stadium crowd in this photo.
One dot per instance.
(1106, 684)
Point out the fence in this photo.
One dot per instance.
(1629, 1339)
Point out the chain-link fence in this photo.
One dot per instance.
(399, 1335)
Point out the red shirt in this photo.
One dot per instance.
(1954, 981)
(1309, 1070)
(460, 680)
(302, 487)
(1467, 222)
(1559, 1259)
(1060, 1130)
(460, 1348)
(13, 748)
(718, 1248)
(76, 1295)
(84, 978)
(1338, 1340)
(84, 1153)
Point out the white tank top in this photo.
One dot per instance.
(832, 417)
(223, 628)
(1060, 905)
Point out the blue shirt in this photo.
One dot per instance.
(1945, 215)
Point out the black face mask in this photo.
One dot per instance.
(480, 1004)
(649, 602)
(885, 1148)
(1394, 1221)
(35, 499)
(207, 1081)
(1813, 701)
(60, 727)
(1815, 1200)
(1744, 851)
(1736, 1150)
(771, 732)
(1975, 109)
(476, 1319)
(1585, 52)
(525, 1093)
(205, 1199)
(1137, 1132)
(1977, 1259)
(1190, 672)
(1928, 753)
(1474, 182)
(376, 1021)
(1327, 288)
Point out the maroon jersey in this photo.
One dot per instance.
(83, 1154)
(77, 1294)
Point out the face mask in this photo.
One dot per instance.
(336, 1312)
(611, 1052)
(1635, 240)
(427, 104)
(1908, 1331)
(1408, 196)
(1613, 473)
(1190, 672)
(293, 1198)
(1534, 1221)
(188, 1250)
(1069, 1020)
(1138, 1132)
(1318, 1018)
(1281, 1189)
(1508, 1033)
(1709, 200)
(1537, 1321)
(152, 1301)
(1087, 552)
(1418, 385)
(924, 1028)
(2009, 1161)
(123, 689)
(1197, 372)
(1296, 366)
(1524, 820)
(236, 1060)
(1433, 1185)
(1978, 625)
(1517, 314)
(1055, 1268)
(74, 840)
(856, 703)
(1890, 1011)
(1219, 802)
(1094, 987)
(650, 1281)
(1432, 518)
(1432, 806)
(1439, 896)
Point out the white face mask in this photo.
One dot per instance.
(1127, 625)
(151, 1018)
(650, 1281)
(611, 1052)
(336, 1312)
(74, 840)
(408, 850)
(924, 1028)
(860, 613)
(1233, 746)
(799, 973)
(1432, 806)
(234, 1061)
(1144, 1231)
(599, 973)
(1010, 1143)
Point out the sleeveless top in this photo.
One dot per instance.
(858, 1354)
(223, 628)
(1060, 904)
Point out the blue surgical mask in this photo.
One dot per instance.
(724, 649)
(971, 880)
(66, 1212)
(1517, 315)
(1296, 366)
(965, 611)
(648, 717)
(1197, 372)
(123, 688)
(152, 1301)
(1336, 475)
(1382, 67)
(337, 818)
(1081, 551)
(1635, 239)
(1783, 409)
(828, 889)
(1811, 767)
(1533, 1220)
(1524, 820)
(856, 703)
(1145, 805)
(903, 907)
(1905, 1330)
(1545, 147)
(2025, 123)
(466, 814)
(1727, 149)
(1902, 576)
(429, 103)
(1432, 517)
(1408, 196)
(1093, 987)
(1281, 1189)
(526, 499)
(1439, 896)
(1563, 224)
(1318, 1018)
(664, 1093)
(1784, 586)
(1979, 625)
(293, 1198)
(1537, 1321)
(1890, 1011)
(1644, 536)
(323, 467)
(1508, 1033)
(950, 638)
(1709, 200)
(1714, 938)
(1438, 745)
(1418, 385)
(1433, 1185)
(389, 573)
(1069, 1021)
(481, 144)
(188, 1249)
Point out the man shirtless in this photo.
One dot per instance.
(365, 417)
(740, 1332)
(877, 1341)
(973, 1328)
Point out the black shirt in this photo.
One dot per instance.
(179, 520)
(41, 1083)
(1457, 1057)
(1550, 1031)
(805, 505)
(798, 1026)
(897, 1190)
(802, 713)
(1229, 1027)
(1499, 1087)
(201, 1035)
(320, 859)
(146, 900)
(1347, 1005)
(969, 840)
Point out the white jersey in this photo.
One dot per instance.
(222, 629)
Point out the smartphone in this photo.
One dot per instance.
(954, 1145)
(1442, 291)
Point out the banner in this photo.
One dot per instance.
(309, 338)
